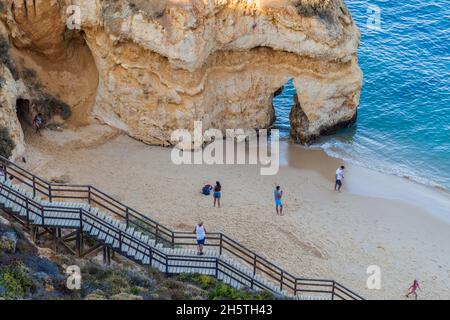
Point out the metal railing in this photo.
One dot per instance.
(162, 234)
(83, 218)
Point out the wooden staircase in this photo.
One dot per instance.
(84, 218)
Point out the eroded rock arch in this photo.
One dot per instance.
(162, 67)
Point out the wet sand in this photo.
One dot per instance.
(367, 182)
(323, 234)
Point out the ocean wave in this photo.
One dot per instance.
(340, 150)
(404, 112)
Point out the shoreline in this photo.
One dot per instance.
(369, 182)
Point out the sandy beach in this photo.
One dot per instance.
(399, 225)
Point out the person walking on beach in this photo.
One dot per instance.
(200, 232)
(278, 194)
(413, 288)
(217, 194)
(339, 177)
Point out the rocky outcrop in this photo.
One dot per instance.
(164, 64)
(9, 91)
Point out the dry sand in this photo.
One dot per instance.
(323, 234)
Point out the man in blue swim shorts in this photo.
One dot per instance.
(278, 193)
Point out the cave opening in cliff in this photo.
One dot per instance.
(283, 100)
(23, 109)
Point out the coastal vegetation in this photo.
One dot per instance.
(220, 291)
(24, 274)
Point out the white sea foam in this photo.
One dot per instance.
(337, 149)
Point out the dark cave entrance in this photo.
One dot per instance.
(23, 109)
(283, 101)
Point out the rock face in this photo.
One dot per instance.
(9, 91)
(164, 64)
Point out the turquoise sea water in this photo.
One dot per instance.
(403, 125)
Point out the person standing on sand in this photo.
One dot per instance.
(339, 177)
(278, 194)
(200, 232)
(413, 288)
(217, 194)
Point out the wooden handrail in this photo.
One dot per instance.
(226, 244)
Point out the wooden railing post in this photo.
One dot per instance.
(332, 291)
(120, 240)
(217, 268)
(89, 195)
(28, 211)
(295, 287)
(50, 192)
(34, 186)
(43, 215)
(81, 220)
(254, 265)
(221, 244)
(173, 239)
(282, 280)
(156, 234)
(127, 216)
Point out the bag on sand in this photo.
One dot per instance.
(207, 190)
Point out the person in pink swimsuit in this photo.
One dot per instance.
(413, 288)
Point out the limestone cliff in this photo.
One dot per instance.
(162, 64)
(9, 91)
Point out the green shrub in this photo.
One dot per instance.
(225, 292)
(220, 291)
(15, 281)
(7, 145)
(203, 281)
